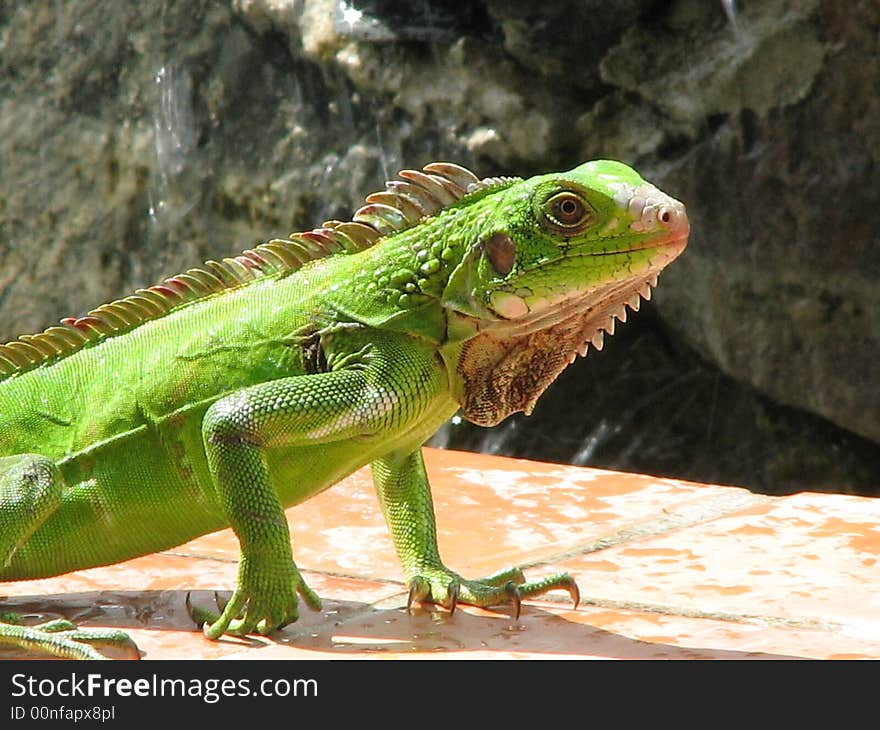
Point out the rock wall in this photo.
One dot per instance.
(139, 138)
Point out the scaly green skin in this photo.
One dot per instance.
(214, 415)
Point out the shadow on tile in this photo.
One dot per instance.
(159, 623)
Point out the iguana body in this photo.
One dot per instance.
(224, 395)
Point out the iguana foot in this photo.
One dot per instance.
(64, 639)
(260, 604)
(448, 589)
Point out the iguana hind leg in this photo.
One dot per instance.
(30, 491)
(405, 495)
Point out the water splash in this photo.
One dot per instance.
(730, 11)
(172, 196)
(593, 442)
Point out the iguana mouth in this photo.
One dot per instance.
(599, 306)
(583, 322)
(596, 308)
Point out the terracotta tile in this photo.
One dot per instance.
(154, 612)
(548, 632)
(668, 569)
(810, 559)
(492, 512)
(340, 530)
(497, 512)
(675, 636)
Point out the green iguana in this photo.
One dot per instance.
(225, 394)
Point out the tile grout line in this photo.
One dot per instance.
(742, 618)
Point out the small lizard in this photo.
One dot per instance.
(225, 394)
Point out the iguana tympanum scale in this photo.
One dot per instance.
(228, 393)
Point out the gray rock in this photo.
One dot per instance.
(779, 287)
(137, 139)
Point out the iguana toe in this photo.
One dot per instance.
(261, 605)
(558, 581)
(63, 639)
(506, 587)
(312, 599)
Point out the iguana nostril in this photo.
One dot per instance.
(673, 217)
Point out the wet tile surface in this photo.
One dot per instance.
(667, 569)
(805, 559)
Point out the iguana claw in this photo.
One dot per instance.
(513, 591)
(573, 591)
(191, 611)
(418, 590)
(559, 581)
(221, 603)
(201, 616)
(452, 590)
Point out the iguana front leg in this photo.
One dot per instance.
(30, 491)
(405, 495)
(377, 395)
(237, 431)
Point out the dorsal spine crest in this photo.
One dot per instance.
(402, 205)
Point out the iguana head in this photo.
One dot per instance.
(555, 260)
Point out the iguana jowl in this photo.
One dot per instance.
(225, 394)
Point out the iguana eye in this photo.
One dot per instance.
(568, 212)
